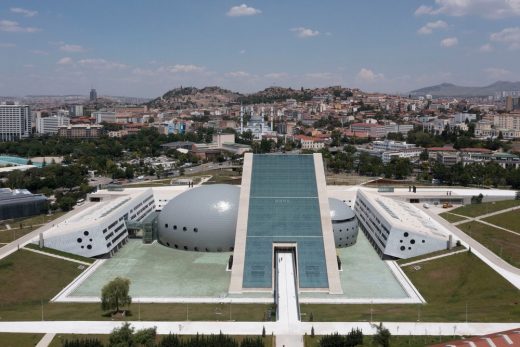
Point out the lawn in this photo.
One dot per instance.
(504, 244)
(60, 338)
(60, 253)
(429, 255)
(223, 177)
(23, 226)
(509, 220)
(448, 284)
(395, 341)
(452, 218)
(19, 340)
(476, 210)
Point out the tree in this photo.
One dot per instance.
(122, 337)
(146, 337)
(114, 294)
(382, 337)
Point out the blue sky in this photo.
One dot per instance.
(144, 48)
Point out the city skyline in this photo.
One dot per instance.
(144, 49)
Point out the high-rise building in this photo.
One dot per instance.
(93, 95)
(15, 122)
(76, 110)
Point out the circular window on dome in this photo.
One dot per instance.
(85, 233)
(196, 230)
(184, 228)
(185, 248)
(403, 248)
(196, 249)
(412, 241)
(89, 246)
(166, 225)
(405, 234)
(80, 240)
(174, 227)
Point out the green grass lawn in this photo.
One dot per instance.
(60, 338)
(485, 208)
(35, 279)
(429, 255)
(447, 284)
(509, 220)
(19, 340)
(60, 253)
(23, 226)
(504, 244)
(223, 177)
(395, 341)
(450, 217)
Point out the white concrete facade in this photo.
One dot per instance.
(100, 228)
(398, 229)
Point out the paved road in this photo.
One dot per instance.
(46, 340)
(255, 328)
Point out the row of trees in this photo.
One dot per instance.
(355, 338)
(126, 336)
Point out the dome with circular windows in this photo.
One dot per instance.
(201, 219)
(344, 223)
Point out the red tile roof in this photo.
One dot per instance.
(509, 338)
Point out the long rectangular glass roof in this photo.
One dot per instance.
(284, 208)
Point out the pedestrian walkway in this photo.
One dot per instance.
(57, 256)
(499, 227)
(432, 258)
(479, 218)
(46, 340)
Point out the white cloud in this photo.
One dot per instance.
(486, 48)
(492, 9)
(276, 75)
(23, 11)
(242, 10)
(72, 48)
(65, 61)
(508, 36)
(303, 33)
(449, 42)
(239, 74)
(38, 52)
(98, 63)
(368, 75)
(242, 51)
(7, 45)
(423, 10)
(14, 27)
(183, 68)
(431, 26)
(497, 73)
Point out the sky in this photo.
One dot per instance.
(144, 48)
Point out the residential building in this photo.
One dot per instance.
(50, 125)
(104, 116)
(93, 95)
(369, 130)
(76, 110)
(15, 122)
(80, 131)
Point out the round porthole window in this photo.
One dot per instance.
(405, 234)
(403, 248)
(85, 233)
(184, 228)
(196, 230)
(89, 246)
(79, 240)
(412, 241)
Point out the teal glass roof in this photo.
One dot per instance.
(283, 207)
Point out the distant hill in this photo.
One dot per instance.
(191, 97)
(448, 89)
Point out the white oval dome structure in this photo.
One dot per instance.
(344, 223)
(201, 219)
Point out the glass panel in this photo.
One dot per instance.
(283, 207)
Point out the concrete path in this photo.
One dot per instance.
(255, 328)
(46, 340)
(499, 227)
(431, 258)
(287, 303)
(57, 256)
(478, 218)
